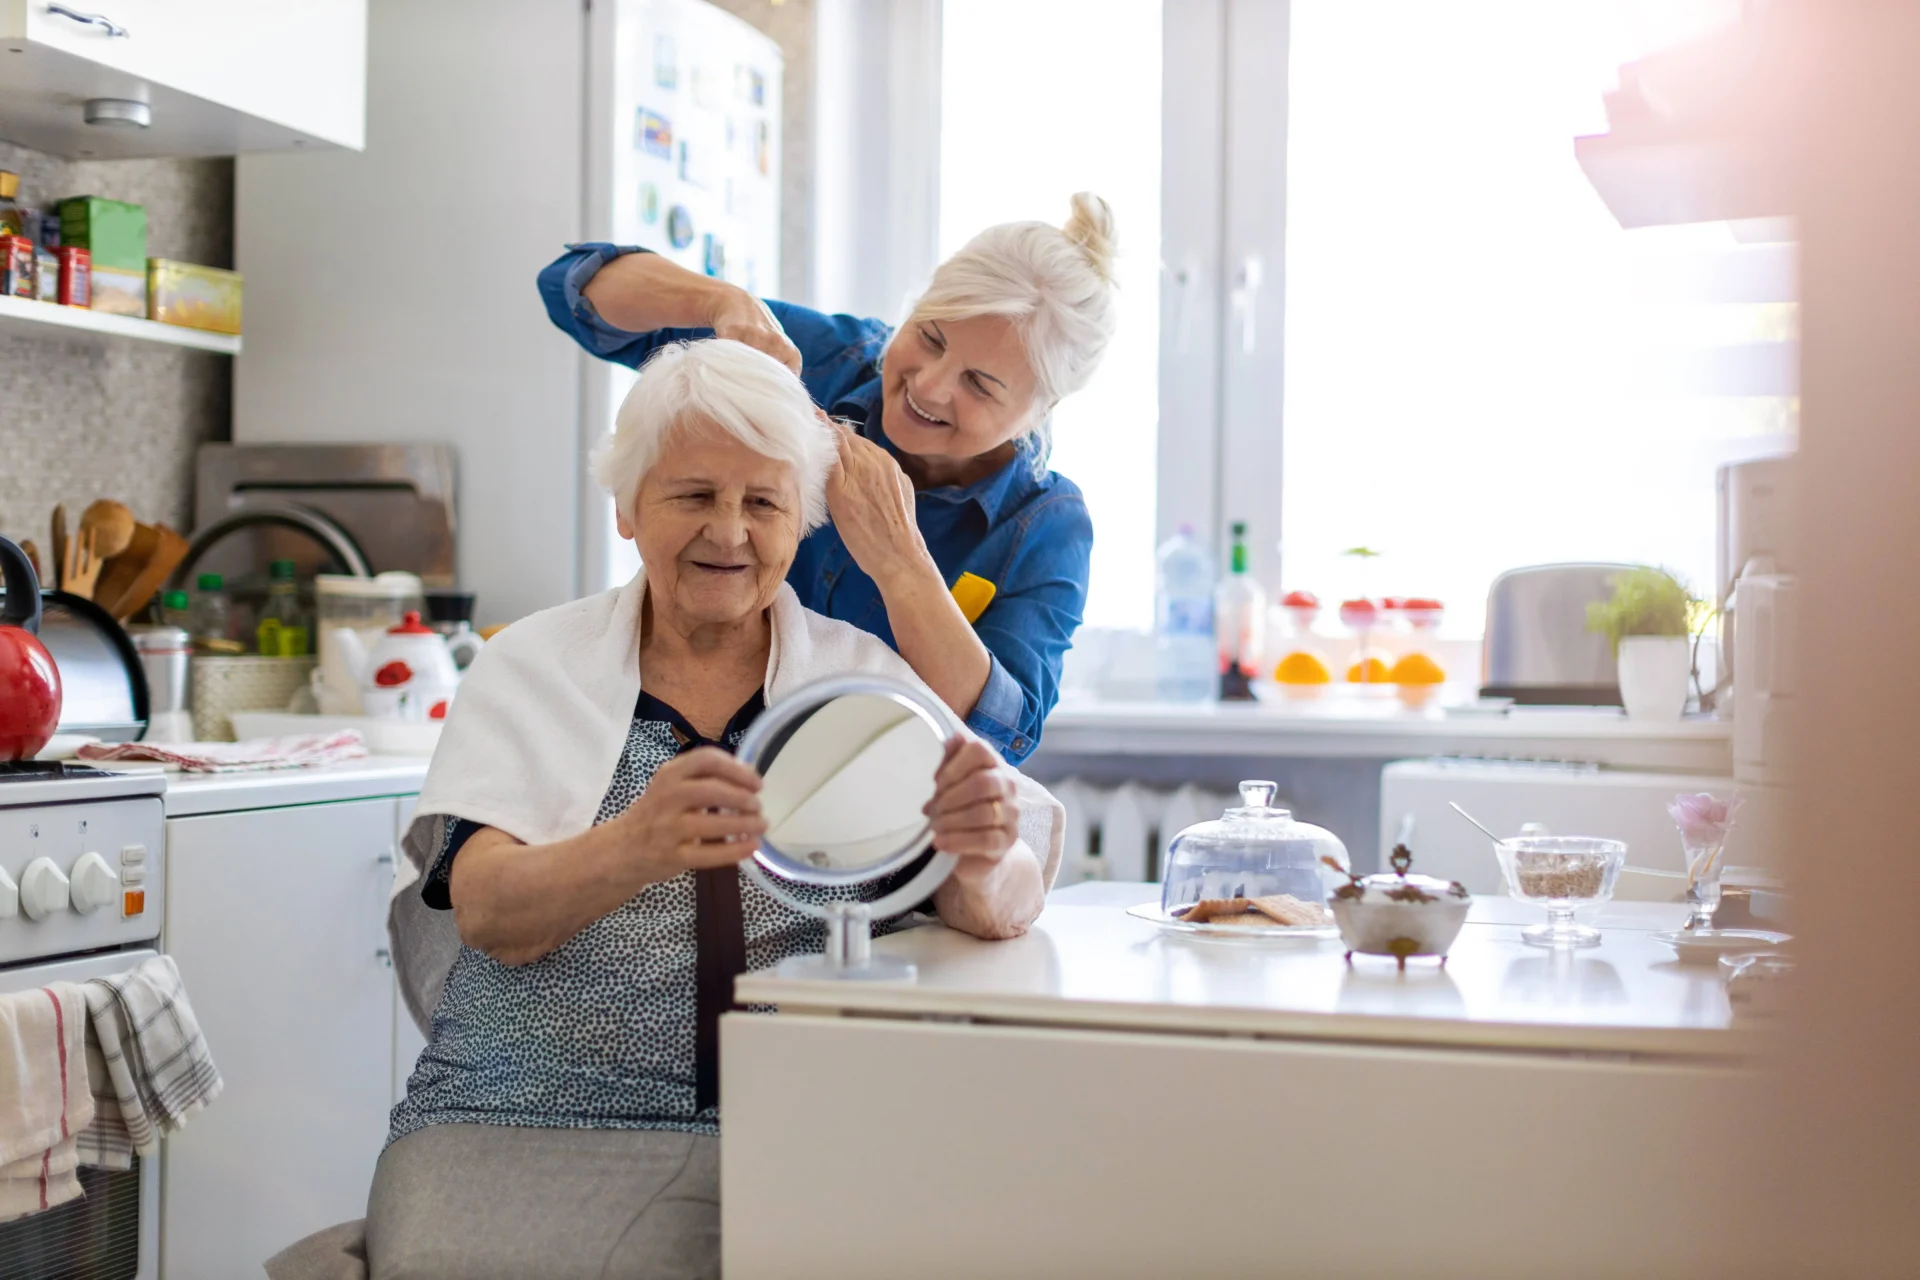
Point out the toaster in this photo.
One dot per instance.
(1538, 650)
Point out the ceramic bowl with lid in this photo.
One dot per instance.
(1399, 914)
(1252, 851)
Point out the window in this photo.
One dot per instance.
(1040, 99)
(1483, 370)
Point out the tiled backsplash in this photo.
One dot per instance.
(121, 419)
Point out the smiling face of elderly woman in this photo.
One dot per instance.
(717, 524)
(718, 467)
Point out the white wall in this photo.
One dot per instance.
(380, 310)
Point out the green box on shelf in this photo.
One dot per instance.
(113, 232)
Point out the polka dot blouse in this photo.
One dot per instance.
(600, 1033)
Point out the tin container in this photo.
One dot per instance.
(1398, 914)
(193, 296)
(76, 277)
(17, 264)
(121, 292)
(46, 275)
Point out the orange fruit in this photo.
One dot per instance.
(1369, 670)
(1301, 667)
(1417, 668)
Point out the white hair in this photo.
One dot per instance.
(1054, 283)
(725, 384)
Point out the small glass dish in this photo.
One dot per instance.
(1561, 873)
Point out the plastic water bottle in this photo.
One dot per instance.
(1183, 620)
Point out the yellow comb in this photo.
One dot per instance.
(973, 594)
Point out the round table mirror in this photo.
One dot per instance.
(846, 766)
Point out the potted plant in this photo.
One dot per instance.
(1650, 620)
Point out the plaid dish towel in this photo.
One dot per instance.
(239, 757)
(155, 1070)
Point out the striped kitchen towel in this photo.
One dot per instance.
(157, 1069)
(295, 752)
(44, 1101)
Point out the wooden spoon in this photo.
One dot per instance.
(59, 544)
(82, 568)
(111, 524)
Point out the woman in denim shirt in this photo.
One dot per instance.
(950, 539)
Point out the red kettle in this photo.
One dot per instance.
(29, 682)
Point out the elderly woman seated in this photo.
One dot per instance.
(584, 822)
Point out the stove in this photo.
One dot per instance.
(81, 859)
(82, 879)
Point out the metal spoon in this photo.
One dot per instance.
(1475, 821)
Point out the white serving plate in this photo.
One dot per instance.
(383, 737)
(64, 746)
(1706, 946)
(1152, 911)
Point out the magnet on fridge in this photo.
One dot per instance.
(756, 88)
(666, 63)
(763, 149)
(679, 226)
(716, 257)
(653, 134)
(649, 203)
(696, 166)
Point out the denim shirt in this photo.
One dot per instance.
(1023, 529)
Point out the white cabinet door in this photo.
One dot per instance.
(407, 1040)
(220, 76)
(277, 921)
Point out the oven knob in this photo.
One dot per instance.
(9, 896)
(43, 890)
(94, 884)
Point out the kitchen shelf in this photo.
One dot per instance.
(23, 316)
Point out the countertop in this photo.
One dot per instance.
(192, 794)
(1087, 963)
(1355, 727)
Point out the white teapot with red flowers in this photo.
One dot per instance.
(409, 674)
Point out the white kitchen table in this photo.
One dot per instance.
(1102, 1097)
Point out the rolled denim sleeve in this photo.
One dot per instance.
(1030, 624)
(563, 284)
(836, 351)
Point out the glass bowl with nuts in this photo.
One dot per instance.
(1562, 874)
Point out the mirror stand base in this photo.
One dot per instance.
(820, 969)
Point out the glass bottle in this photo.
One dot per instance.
(282, 632)
(1240, 615)
(212, 616)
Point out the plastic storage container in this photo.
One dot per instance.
(366, 605)
(1254, 851)
(1184, 668)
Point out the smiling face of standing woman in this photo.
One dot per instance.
(957, 392)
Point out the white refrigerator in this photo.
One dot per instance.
(683, 158)
(390, 292)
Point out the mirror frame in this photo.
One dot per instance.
(776, 724)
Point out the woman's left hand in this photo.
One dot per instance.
(871, 502)
(975, 816)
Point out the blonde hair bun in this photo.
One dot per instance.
(1090, 226)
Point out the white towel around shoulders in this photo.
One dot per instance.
(44, 1099)
(543, 714)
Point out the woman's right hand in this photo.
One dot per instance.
(700, 810)
(744, 318)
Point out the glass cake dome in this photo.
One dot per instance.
(1253, 851)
